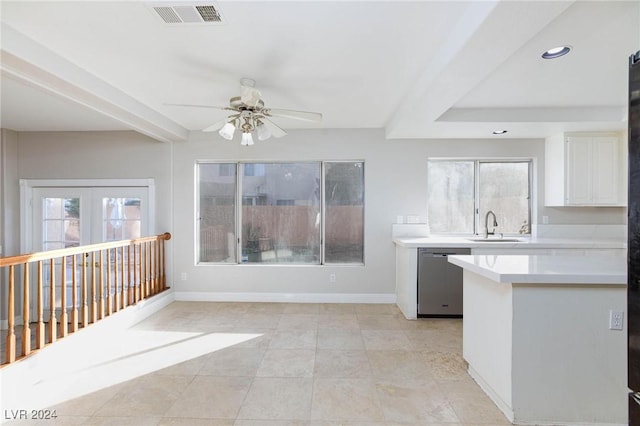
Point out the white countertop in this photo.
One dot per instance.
(523, 242)
(546, 269)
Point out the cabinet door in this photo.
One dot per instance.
(579, 171)
(605, 170)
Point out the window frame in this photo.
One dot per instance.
(478, 226)
(238, 212)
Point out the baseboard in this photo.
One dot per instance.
(189, 296)
(503, 406)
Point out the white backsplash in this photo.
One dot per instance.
(596, 232)
(410, 230)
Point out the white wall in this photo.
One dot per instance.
(9, 192)
(100, 155)
(395, 184)
(9, 209)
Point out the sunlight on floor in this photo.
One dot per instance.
(98, 365)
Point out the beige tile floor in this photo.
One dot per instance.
(304, 364)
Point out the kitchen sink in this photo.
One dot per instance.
(494, 240)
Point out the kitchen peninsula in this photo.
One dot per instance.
(606, 244)
(537, 337)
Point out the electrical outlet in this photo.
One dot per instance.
(183, 276)
(545, 220)
(332, 278)
(616, 320)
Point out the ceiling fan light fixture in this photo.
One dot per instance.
(262, 131)
(227, 131)
(249, 115)
(247, 139)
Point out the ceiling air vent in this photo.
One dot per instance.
(187, 13)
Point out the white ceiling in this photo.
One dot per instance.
(418, 69)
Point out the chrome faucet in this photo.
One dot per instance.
(486, 224)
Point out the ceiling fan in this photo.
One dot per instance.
(249, 115)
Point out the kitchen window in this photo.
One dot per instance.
(460, 192)
(281, 213)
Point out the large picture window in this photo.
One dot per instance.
(461, 192)
(281, 213)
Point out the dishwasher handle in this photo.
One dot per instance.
(442, 253)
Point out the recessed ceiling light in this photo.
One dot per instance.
(556, 52)
(499, 132)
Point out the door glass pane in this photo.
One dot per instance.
(281, 213)
(61, 229)
(121, 218)
(61, 223)
(217, 212)
(344, 212)
(504, 189)
(450, 206)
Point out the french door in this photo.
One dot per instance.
(69, 217)
(73, 216)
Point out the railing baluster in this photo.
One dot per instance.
(144, 277)
(150, 265)
(154, 251)
(116, 275)
(40, 332)
(164, 265)
(109, 301)
(26, 331)
(163, 283)
(101, 280)
(74, 295)
(11, 336)
(94, 300)
(147, 267)
(137, 270)
(142, 273)
(156, 247)
(83, 295)
(153, 266)
(64, 329)
(123, 291)
(53, 326)
(130, 283)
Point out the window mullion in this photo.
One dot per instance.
(476, 197)
(239, 176)
(322, 211)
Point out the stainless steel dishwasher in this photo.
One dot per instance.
(439, 283)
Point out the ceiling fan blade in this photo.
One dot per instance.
(200, 106)
(216, 126)
(276, 131)
(298, 115)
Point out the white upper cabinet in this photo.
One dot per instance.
(585, 169)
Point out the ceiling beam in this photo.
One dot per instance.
(30, 63)
(484, 38)
(529, 115)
